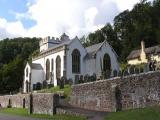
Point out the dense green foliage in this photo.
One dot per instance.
(151, 113)
(130, 28)
(13, 56)
(24, 112)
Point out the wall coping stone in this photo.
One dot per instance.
(115, 78)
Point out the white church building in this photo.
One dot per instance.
(67, 57)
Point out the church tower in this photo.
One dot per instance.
(47, 43)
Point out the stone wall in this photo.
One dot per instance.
(135, 91)
(39, 103)
(19, 100)
(44, 103)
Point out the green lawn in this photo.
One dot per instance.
(151, 113)
(24, 112)
(67, 90)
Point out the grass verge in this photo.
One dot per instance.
(24, 112)
(150, 113)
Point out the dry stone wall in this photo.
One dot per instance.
(135, 91)
(19, 100)
(44, 103)
(39, 103)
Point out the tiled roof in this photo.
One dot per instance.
(92, 50)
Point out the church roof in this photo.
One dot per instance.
(36, 66)
(150, 50)
(92, 50)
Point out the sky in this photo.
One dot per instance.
(41, 18)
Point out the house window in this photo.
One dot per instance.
(27, 72)
(106, 62)
(76, 61)
(58, 67)
(47, 69)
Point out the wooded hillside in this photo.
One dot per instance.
(130, 28)
(13, 56)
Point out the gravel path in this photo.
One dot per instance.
(12, 117)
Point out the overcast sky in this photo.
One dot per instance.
(41, 18)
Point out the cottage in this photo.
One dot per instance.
(144, 55)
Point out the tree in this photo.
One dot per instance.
(13, 56)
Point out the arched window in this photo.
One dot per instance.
(27, 72)
(47, 69)
(58, 67)
(52, 65)
(76, 61)
(106, 62)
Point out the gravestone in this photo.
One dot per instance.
(61, 85)
(94, 77)
(146, 67)
(115, 73)
(106, 74)
(125, 72)
(120, 73)
(81, 79)
(137, 70)
(85, 78)
(76, 79)
(45, 84)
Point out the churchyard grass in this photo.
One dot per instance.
(150, 113)
(66, 89)
(24, 112)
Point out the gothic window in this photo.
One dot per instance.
(58, 67)
(52, 65)
(27, 72)
(47, 69)
(76, 61)
(106, 62)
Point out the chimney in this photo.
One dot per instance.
(142, 46)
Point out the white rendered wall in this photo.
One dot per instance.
(36, 76)
(25, 77)
(134, 61)
(43, 60)
(90, 66)
(43, 47)
(106, 48)
(75, 44)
